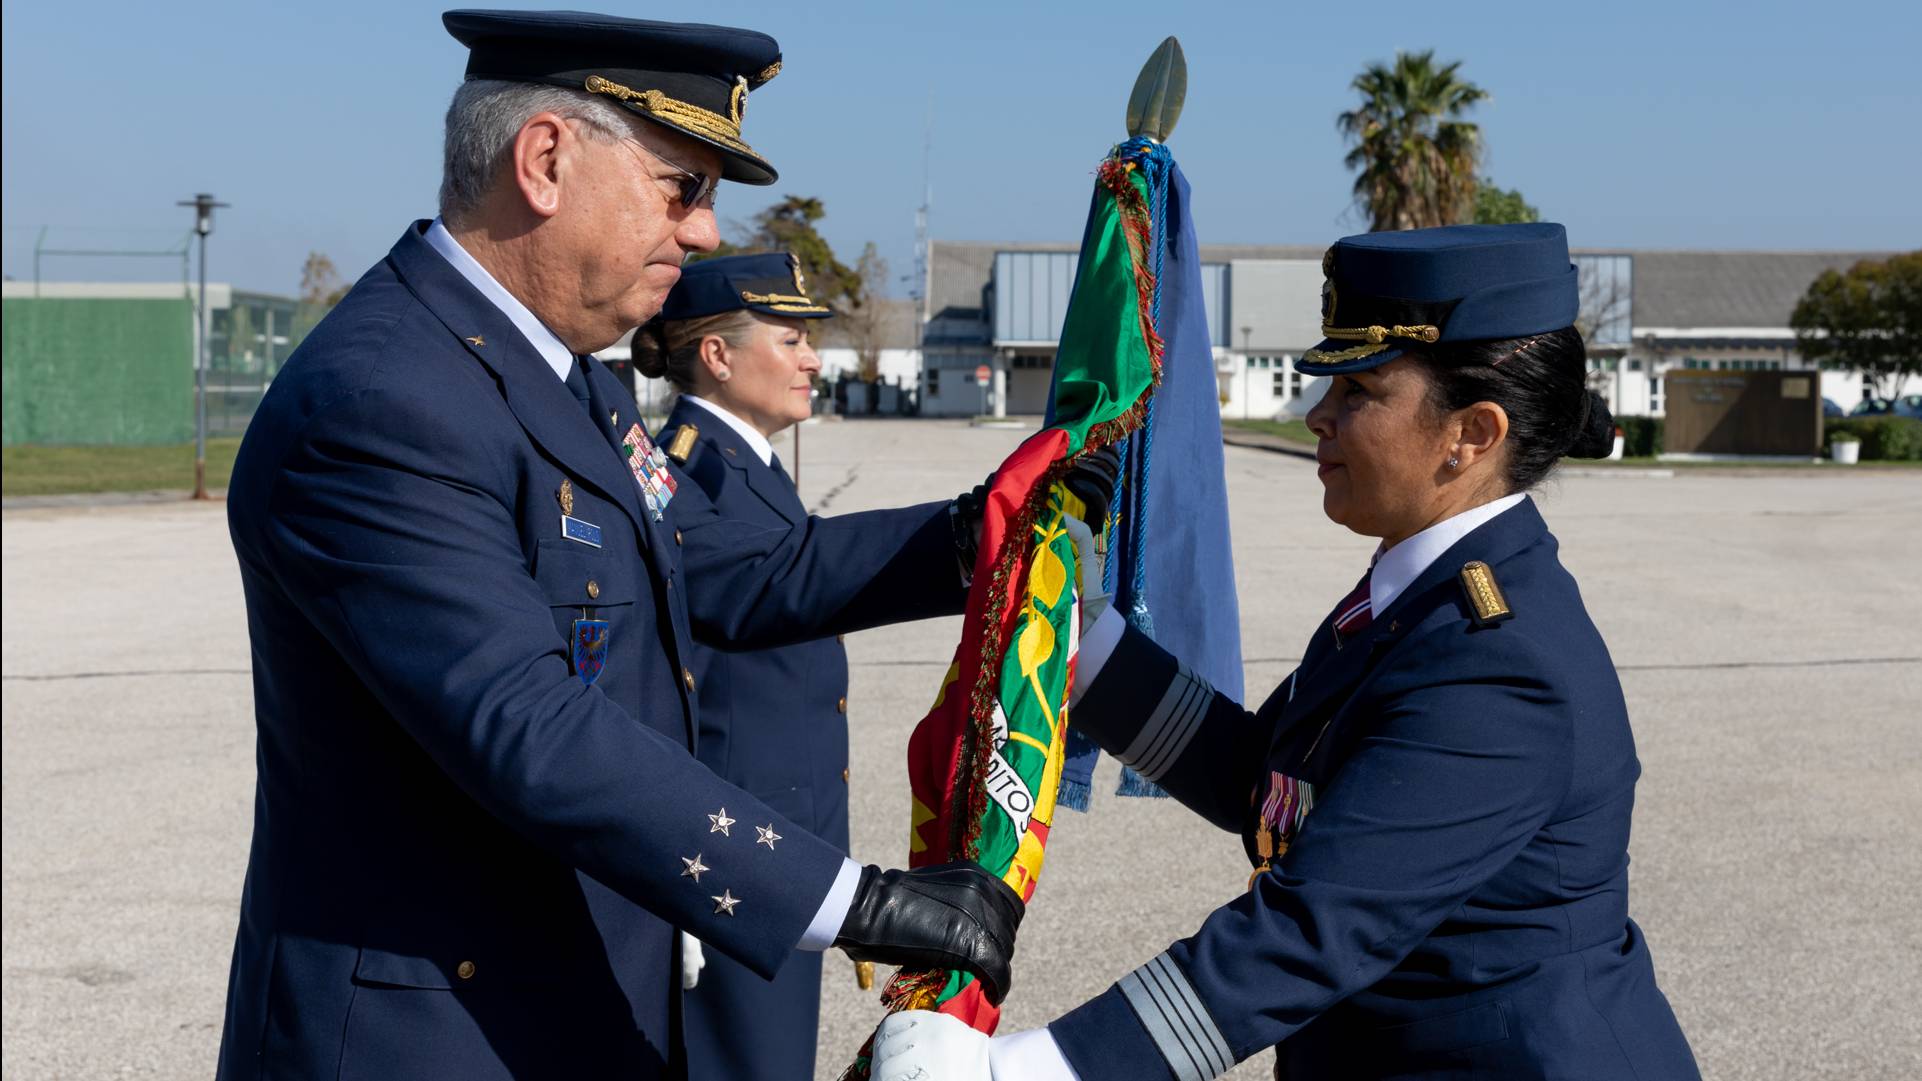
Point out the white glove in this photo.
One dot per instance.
(921, 1045)
(1089, 562)
(692, 961)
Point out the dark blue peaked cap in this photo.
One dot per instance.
(1388, 292)
(768, 282)
(686, 76)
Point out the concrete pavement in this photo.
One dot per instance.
(1768, 629)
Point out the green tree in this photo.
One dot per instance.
(1495, 206)
(863, 324)
(1866, 320)
(240, 338)
(789, 225)
(1414, 156)
(320, 289)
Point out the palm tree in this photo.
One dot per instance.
(1417, 158)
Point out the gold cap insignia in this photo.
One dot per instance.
(566, 497)
(1484, 596)
(682, 444)
(737, 100)
(477, 341)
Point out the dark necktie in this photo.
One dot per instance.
(774, 463)
(1355, 611)
(577, 383)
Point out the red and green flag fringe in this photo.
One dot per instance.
(985, 763)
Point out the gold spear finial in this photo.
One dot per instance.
(1160, 91)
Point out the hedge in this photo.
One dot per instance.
(1641, 436)
(1884, 439)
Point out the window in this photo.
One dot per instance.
(1286, 383)
(1279, 386)
(1655, 394)
(934, 382)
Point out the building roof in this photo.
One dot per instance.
(1716, 289)
(1728, 288)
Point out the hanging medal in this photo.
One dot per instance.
(588, 650)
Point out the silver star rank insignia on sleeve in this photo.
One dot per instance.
(694, 867)
(767, 836)
(724, 904)
(721, 822)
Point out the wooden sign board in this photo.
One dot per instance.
(1772, 413)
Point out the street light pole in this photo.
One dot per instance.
(1245, 361)
(203, 205)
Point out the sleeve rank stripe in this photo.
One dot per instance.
(1173, 723)
(1176, 1020)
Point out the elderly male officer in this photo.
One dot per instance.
(477, 821)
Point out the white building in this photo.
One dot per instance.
(1644, 312)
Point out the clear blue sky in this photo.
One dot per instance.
(1639, 124)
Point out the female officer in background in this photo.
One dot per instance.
(1437, 801)
(733, 339)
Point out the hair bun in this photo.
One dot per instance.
(1596, 438)
(649, 348)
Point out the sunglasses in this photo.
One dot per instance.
(697, 189)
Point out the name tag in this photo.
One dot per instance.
(575, 529)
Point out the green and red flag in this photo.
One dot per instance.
(985, 763)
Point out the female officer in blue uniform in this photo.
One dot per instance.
(1436, 802)
(733, 338)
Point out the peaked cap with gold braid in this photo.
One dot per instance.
(1391, 291)
(686, 76)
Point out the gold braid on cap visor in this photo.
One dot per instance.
(691, 118)
(1375, 339)
(782, 302)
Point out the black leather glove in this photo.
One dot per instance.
(1093, 480)
(952, 916)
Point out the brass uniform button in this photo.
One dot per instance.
(844, 775)
(593, 589)
(677, 536)
(840, 637)
(687, 677)
(842, 705)
(465, 970)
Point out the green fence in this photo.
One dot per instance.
(91, 371)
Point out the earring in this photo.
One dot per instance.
(722, 375)
(1453, 462)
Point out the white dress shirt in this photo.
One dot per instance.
(827, 921)
(545, 342)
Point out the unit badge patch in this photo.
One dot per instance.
(590, 649)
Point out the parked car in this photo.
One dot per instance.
(1909, 405)
(1831, 409)
(1873, 407)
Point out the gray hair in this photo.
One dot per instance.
(487, 114)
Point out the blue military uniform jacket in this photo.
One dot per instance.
(1456, 902)
(468, 862)
(773, 721)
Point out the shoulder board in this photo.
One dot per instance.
(682, 445)
(1484, 595)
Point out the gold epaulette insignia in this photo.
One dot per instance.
(682, 444)
(1484, 596)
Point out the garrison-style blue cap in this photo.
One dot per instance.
(687, 76)
(1388, 292)
(768, 282)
